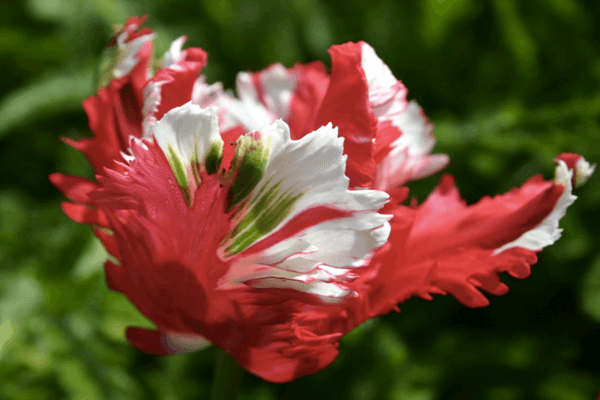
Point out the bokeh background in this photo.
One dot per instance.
(509, 84)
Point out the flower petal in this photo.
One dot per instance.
(306, 100)
(346, 106)
(407, 157)
(127, 54)
(73, 187)
(189, 137)
(582, 169)
(172, 85)
(404, 138)
(454, 248)
(84, 214)
(301, 201)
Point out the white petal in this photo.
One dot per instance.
(174, 55)
(188, 132)
(330, 293)
(248, 110)
(251, 110)
(278, 86)
(583, 171)
(384, 88)
(311, 171)
(127, 52)
(547, 232)
(152, 99)
(410, 158)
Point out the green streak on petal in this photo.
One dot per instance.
(213, 158)
(179, 170)
(258, 204)
(250, 162)
(266, 214)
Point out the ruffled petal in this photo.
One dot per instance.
(146, 211)
(149, 341)
(158, 343)
(445, 246)
(127, 55)
(189, 137)
(582, 169)
(306, 100)
(172, 85)
(346, 106)
(404, 138)
(84, 214)
(406, 142)
(115, 112)
(289, 219)
(279, 362)
(293, 95)
(75, 188)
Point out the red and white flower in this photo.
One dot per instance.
(271, 224)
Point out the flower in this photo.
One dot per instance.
(271, 224)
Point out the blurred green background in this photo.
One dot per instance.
(509, 84)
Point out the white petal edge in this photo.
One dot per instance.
(410, 158)
(328, 293)
(127, 52)
(248, 110)
(152, 99)
(583, 170)
(387, 95)
(547, 232)
(278, 86)
(174, 55)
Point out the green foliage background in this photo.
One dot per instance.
(509, 84)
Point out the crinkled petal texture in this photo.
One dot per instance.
(271, 224)
(445, 246)
(254, 243)
(387, 138)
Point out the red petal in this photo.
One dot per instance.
(134, 23)
(229, 137)
(179, 81)
(488, 224)
(116, 277)
(306, 100)
(169, 277)
(84, 214)
(73, 187)
(386, 135)
(346, 105)
(445, 246)
(278, 363)
(109, 243)
(569, 158)
(114, 114)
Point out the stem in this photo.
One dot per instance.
(226, 377)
